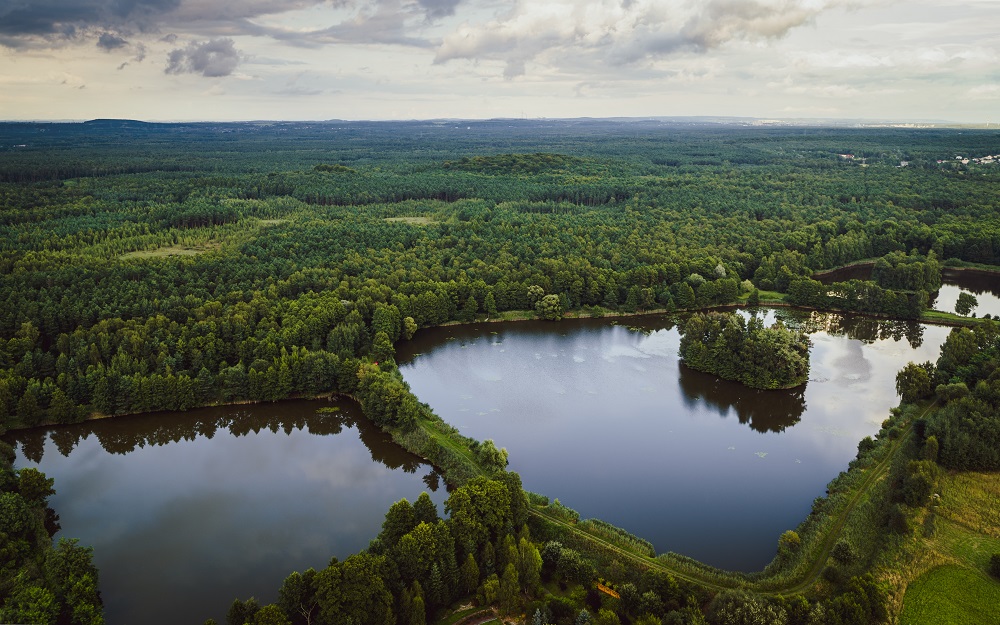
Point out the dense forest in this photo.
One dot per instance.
(165, 266)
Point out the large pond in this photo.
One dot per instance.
(605, 418)
(189, 511)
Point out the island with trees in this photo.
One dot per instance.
(734, 348)
(149, 267)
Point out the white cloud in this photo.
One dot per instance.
(474, 58)
(625, 32)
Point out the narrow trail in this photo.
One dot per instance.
(799, 585)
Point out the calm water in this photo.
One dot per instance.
(606, 419)
(983, 285)
(189, 511)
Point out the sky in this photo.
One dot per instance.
(179, 60)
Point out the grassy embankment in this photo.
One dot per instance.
(942, 570)
(851, 509)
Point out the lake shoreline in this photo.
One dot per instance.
(580, 313)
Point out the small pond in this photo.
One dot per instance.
(984, 285)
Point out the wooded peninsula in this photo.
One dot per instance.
(150, 267)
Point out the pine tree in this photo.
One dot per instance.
(469, 576)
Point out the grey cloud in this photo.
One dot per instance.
(437, 9)
(26, 23)
(52, 23)
(381, 22)
(215, 58)
(65, 19)
(109, 41)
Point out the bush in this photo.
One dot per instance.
(843, 553)
(995, 565)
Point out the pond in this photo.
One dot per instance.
(984, 285)
(605, 418)
(188, 511)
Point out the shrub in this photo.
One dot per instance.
(843, 553)
(995, 565)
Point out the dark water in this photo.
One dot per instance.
(188, 511)
(605, 418)
(983, 285)
(852, 272)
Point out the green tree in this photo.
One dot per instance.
(28, 410)
(271, 614)
(489, 590)
(913, 382)
(490, 457)
(31, 604)
(966, 303)
(297, 597)
(399, 521)
(242, 612)
(535, 295)
(739, 607)
(480, 511)
(843, 552)
(508, 592)
(418, 611)
(789, 542)
(34, 487)
(606, 617)
(354, 591)
(549, 308)
(469, 309)
(931, 448)
(424, 510)
(409, 328)
(529, 566)
(382, 350)
(71, 572)
(469, 580)
(61, 408)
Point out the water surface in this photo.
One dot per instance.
(605, 418)
(188, 511)
(984, 285)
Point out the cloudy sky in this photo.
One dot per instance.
(405, 59)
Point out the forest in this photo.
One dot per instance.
(151, 267)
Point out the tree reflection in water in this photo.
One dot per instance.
(123, 435)
(763, 411)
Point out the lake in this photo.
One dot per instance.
(605, 418)
(188, 511)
